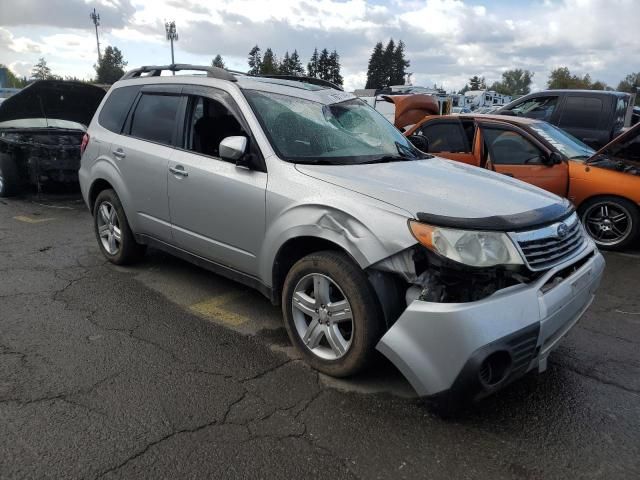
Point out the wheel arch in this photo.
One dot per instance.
(581, 206)
(293, 250)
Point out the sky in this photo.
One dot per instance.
(447, 41)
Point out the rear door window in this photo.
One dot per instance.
(581, 112)
(445, 137)
(117, 106)
(154, 118)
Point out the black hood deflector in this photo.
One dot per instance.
(506, 223)
(62, 100)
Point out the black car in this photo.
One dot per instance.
(41, 129)
(594, 116)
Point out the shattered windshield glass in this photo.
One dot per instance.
(345, 133)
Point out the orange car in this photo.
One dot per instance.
(604, 185)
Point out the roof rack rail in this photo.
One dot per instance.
(156, 70)
(312, 80)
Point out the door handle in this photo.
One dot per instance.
(178, 170)
(119, 153)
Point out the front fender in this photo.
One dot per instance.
(379, 234)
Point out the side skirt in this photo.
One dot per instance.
(227, 272)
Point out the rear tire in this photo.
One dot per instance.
(115, 239)
(332, 313)
(612, 222)
(9, 179)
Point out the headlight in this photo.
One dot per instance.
(476, 249)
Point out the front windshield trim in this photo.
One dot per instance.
(330, 160)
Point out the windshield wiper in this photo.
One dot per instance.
(387, 159)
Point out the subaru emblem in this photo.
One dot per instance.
(562, 230)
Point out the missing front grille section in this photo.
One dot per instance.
(565, 273)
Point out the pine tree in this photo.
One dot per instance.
(312, 66)
(111, 66)
(285, 65)
(296, 65)
(41, 70)
(388, 60)
(334, 68)
(324, 66)
(474, 83)
(375, 70)
(269, 63)
(255, 61)
(399, 65)
(218, 62)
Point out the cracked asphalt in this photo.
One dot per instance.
(163, 370)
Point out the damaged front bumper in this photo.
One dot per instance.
(475, 348)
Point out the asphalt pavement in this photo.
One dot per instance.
(164, 370)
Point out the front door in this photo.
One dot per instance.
(217, 209)
(509, 151)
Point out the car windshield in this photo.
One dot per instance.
(565, 143)
(345, 133)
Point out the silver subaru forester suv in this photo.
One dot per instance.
(463, 278)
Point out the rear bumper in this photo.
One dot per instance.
(441, 347)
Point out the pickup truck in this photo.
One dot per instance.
(594, 116)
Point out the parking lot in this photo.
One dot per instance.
(166, 370)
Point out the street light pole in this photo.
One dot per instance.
(172, 35)
(95, 17)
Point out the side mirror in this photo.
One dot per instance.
(233, 149)
(420, 142)
(554, 159)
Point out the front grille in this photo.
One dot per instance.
(547, 247)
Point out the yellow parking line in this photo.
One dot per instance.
(213, 308)
(22, 218)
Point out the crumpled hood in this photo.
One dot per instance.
(438, 187)
(56, 99)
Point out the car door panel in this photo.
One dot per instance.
(447, 139)
(142, 155)
(218, 209)
(512, 152)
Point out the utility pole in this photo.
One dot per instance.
(172, 35)
(95, 18)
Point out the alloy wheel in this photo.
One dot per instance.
(608, 223)
(323, 317)
(109, 228)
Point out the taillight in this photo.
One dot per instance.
(85, 142)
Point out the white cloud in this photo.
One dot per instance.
(447, 40)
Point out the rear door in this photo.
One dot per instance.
(450, 138)
(217, 208)
(587, 117)
(142, 155)
(512, 152)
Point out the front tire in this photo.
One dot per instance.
(332, 313)
(612, 222)
(114, 236)
(9, 179)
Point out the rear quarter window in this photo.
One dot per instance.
(581, 112)
(115, 110)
